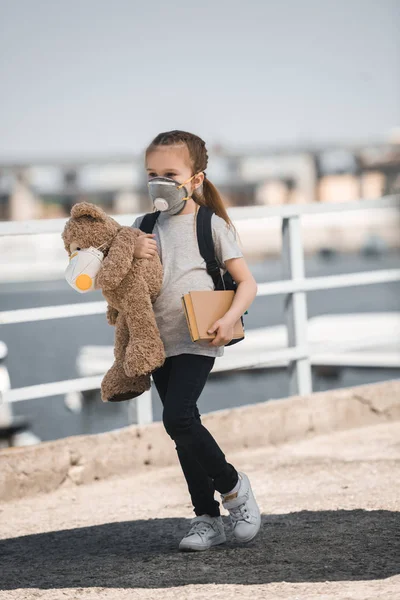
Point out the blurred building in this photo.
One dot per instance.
(337, 174)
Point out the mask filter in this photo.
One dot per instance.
(83, 268)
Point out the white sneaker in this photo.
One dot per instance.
(243, 511)
(205, 532)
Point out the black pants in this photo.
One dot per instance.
(179, 383)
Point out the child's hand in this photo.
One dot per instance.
(224, 330)
(145, 246)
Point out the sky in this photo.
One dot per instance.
(97, 77)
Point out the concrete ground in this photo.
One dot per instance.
(330, 529)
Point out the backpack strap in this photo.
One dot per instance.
(148, 222)
(206, 243)
(204, 239)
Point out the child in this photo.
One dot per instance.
(181, 157)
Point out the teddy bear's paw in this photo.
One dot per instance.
(117, 386)
(137, 387)
(143, 359)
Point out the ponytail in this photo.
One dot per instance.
(212, 198)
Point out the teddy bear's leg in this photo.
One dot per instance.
(145, 350)
(121, 338)
(116, 385)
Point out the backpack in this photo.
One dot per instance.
(206, 248)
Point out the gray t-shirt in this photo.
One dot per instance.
(185, 271)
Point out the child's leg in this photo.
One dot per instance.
(200, 485)
(195, 444)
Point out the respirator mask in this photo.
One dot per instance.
(83, 268)
(168, 195)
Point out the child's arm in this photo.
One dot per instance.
(230, 257)
(243, 298)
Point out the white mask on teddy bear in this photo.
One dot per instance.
(83, 268)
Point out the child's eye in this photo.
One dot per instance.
(171, 175)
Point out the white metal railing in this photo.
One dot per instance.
(45, 313)
(238, 213)
(294, 287)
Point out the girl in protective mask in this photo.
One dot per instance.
(176, 162)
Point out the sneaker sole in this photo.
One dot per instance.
(247, 540)
(218, 540)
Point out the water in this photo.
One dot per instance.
(46, 351)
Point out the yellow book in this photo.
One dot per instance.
(203, 308)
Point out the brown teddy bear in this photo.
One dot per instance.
(130, 287)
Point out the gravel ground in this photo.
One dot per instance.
(330, 529)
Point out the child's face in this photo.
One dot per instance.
(170, 161)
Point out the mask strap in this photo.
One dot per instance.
(105, 243)
(185, 182)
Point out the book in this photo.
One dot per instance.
(203, 308)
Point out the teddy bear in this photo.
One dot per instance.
(130, 286)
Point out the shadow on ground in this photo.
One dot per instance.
(296, 547)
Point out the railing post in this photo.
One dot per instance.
(296, 305)
(141, 409)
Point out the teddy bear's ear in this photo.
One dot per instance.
(86, 209)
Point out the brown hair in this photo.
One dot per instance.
(199, 159)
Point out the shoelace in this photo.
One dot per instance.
(200, 527)
(241, 512)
